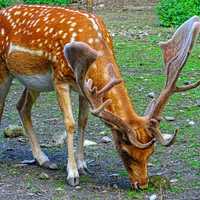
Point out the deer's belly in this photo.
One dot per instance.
(40, 82)
(30, 67)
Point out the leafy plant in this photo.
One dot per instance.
(52, 2)
(175, 12)
(6, 3)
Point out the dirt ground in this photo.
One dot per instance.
(109, 180)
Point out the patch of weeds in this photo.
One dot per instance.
(31, 186)
(85, 179)
(13, 171)
(60, 184)
(123, 173)
(158, 182)
(135, 195)
(141, 193)
(176, 189)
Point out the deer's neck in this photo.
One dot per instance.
(121, 104)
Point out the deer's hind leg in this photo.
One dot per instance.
(24, 107)
(5, 83)
(82, 123)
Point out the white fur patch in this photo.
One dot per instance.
(14, 48)
(40, 82)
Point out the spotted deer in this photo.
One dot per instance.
(55, 48)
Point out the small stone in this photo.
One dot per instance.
(101, 5)
(115, 186)
(166, 136)
(44, 176)
(198, 103)
(13, 131)
(151, 165)
(173, 180)
(59, 140)
(171, 119)
(151, 94)
(114, 175)
(59, 189)
(153, 197)
(20, 165)
(28, 162)
(89, 143)
(78, 187)
(192, 123)
(105, 139)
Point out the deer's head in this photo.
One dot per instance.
(134, 141)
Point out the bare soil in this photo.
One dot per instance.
(109, 181)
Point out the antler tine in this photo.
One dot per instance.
(114, 81)
(188, 87)
(158, 135)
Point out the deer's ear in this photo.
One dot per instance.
(79, 55)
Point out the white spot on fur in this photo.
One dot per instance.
(97, 40)
(2, 31)
(64, 35)
(38, 30)
(80, 30)
(73, 37)
(73, 24)
(50, 30)
(62, 21)
(91, 40)
(17, 13)
(60, 32)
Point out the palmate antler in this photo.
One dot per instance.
(94, 96)
(175, 51)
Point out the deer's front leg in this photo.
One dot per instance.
(82, 122)
(63, 93)
(24, 107)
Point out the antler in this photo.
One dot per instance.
(175, 51)
(96, 97)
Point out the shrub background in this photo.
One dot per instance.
(5, 3)
(175, 12)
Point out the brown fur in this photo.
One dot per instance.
(50, 37)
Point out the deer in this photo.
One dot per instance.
(51, 48)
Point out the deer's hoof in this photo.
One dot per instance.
(49, 165)
(84, 171)
(73, 181)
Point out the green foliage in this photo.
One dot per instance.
(51, 2)
(6, 3)
(175, 12)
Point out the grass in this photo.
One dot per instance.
(141, 65)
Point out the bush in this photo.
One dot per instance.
(6, 3)
(175, 12)
(51, 2)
